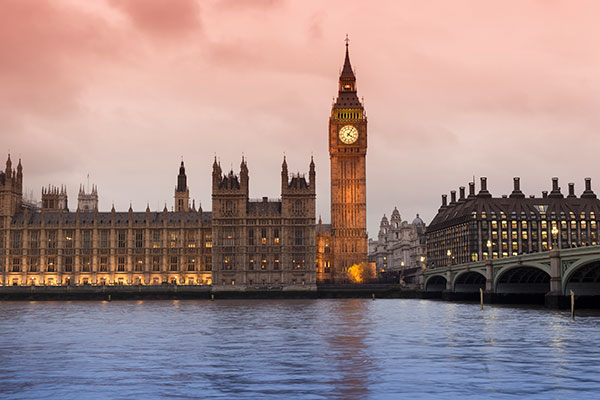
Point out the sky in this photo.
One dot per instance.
(123, 89)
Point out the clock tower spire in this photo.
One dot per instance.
(347, 152)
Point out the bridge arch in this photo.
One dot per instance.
(583, 277)
(435, 283)
(469, 281)
(523, 278)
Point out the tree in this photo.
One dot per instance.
(360, 273)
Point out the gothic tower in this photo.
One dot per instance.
(347, 152)
(182, 192)
(11, 190)
(87, 202)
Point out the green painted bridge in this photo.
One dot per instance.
(550, 273)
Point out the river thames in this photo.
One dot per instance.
(306, 349)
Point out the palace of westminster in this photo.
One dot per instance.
(247, 243)
(241, 243)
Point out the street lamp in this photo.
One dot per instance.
(489, 247)
(554, 235)
(401, 274)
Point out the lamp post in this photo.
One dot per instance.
(401, 276)
(554, 235)
(489, 247)
(449, 254)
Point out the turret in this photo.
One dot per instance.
(312, 175)
(284, 175)
(181, 179)
(11, 189)
(54, 199)
(182, 192)
(87, 202)
(8, 170)
(244, 176)
(216, 174)
(19, 177)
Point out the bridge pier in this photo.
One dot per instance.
(555, 298)
(489, 277)
(448, 281)
(555, 276)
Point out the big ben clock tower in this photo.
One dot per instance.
(347, 152)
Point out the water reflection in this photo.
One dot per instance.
(314, 349)
(347, 348)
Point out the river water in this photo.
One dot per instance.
(301, 349)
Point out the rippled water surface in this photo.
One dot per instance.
(311, 349)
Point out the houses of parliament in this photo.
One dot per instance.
(241, 243)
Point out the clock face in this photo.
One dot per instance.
(348, 134)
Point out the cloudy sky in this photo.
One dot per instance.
(122, 89)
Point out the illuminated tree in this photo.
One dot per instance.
(360, 273)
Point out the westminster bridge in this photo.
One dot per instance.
(550, 274)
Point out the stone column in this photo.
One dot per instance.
(489, 276)
(43, 258)
(555, 273)
(147, 250)
(449, 280)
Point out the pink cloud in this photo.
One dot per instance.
(121, 89)
(161, 17)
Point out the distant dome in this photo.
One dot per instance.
(395, 214)
(418, 221)
(384, 220)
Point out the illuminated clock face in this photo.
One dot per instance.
(348, 134)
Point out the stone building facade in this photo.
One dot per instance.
(263, 242)
(55, 246)
(479, 227)
(242, 243)
(400, 245)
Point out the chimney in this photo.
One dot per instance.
(544, 194)
(555, 193)
(484, 192)
(452, 197)
(516, 193)
(471, 190)
(571, 191)
(444, 201)
(461, 190)
(588, 193)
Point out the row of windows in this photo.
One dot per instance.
(261, 236)
(155, 264)
(542, 210)
(191, 238)
(262, 263)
